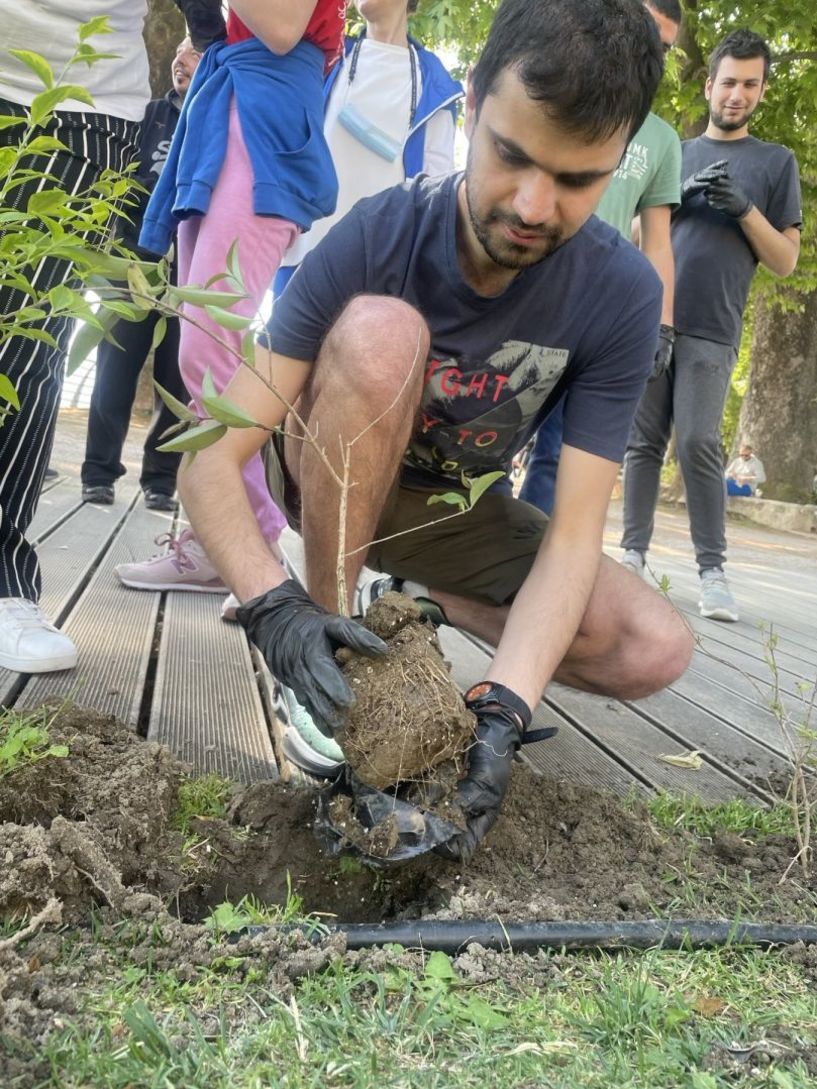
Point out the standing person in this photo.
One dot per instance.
(646, 184)
(435, 326)
(119, 362)
(249, 162)
(96, 138)
(740, 206)
(391, 113)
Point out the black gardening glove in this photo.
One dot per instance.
(502, 719)
(697, 183)
(725, 195)
(663, 356)
(298, 640)
(205, 22)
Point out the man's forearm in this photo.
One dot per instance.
(773, 248)
(215, 499)
(545, 618)
(656, 245)
(279, 24)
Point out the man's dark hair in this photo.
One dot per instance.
(670, 9)
(411, 7)
(593, 64)
(742, 45)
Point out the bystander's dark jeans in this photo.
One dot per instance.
(117, 376)
(539, 487)
(692, 394)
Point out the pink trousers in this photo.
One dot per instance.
(203, 243)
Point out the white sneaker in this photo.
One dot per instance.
(228, 608)
(28, 642)
(634, 561)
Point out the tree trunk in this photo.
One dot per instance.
(164, 29)
(779, 412)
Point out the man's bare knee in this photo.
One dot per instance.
(660, 657)
(376, 348)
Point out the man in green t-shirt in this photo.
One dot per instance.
(646, 185)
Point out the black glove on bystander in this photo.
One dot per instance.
(725, 195)
(298, 639)
(663, 356)
(205, 21)
(697, 183)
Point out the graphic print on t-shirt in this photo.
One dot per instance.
(476, 412)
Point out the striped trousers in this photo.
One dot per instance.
(95, 142)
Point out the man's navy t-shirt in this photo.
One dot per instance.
(584, 320)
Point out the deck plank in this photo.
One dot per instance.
(113, 628)
(206, 705)
(68, 558)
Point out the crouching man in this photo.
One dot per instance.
(436, 325)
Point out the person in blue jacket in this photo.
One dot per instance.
(391, 112)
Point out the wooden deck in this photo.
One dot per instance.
(171, 669)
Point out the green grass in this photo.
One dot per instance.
(671, 811)
(205, 797)
(25, 740)
(635, 1021)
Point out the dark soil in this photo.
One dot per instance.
(95, 830)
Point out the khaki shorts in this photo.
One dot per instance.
(485, 553)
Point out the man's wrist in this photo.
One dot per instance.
(491, 693)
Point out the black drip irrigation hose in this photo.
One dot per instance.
(453, 935)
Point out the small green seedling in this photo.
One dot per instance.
(22, 743)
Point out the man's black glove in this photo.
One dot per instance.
(298, 640)
(725, 195)
(697, 183)
(502, 718)
(205, 21)
(663, 356)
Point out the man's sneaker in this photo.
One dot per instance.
(304, 744)
(155, 500)
(633, 561)
(184, 566)
(371, 591)
(228, 608)
(716, 600)
(28, 642)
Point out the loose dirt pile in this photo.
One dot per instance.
(96, 830)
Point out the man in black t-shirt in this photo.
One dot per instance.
(427, 335)
(740, 206)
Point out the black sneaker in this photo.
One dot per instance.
(371, 591)
(159, 500)
(101, 494)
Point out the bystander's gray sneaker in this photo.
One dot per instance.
(716, 600)
(633, 561)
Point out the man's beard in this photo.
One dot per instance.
(720, 121)
(503, 252)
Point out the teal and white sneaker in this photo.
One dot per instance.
(304, 744)
(370, 591)
(716, 601)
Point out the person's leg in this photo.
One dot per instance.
(159, 469)
(646, 447)
(203, 249)
(539, 488)
(702, 372)
(364, 390)
(117, 374)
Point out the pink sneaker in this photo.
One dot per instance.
(184, 566)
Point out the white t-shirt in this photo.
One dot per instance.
(381, 93)
(120, 87)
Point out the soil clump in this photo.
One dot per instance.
(408, 716)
